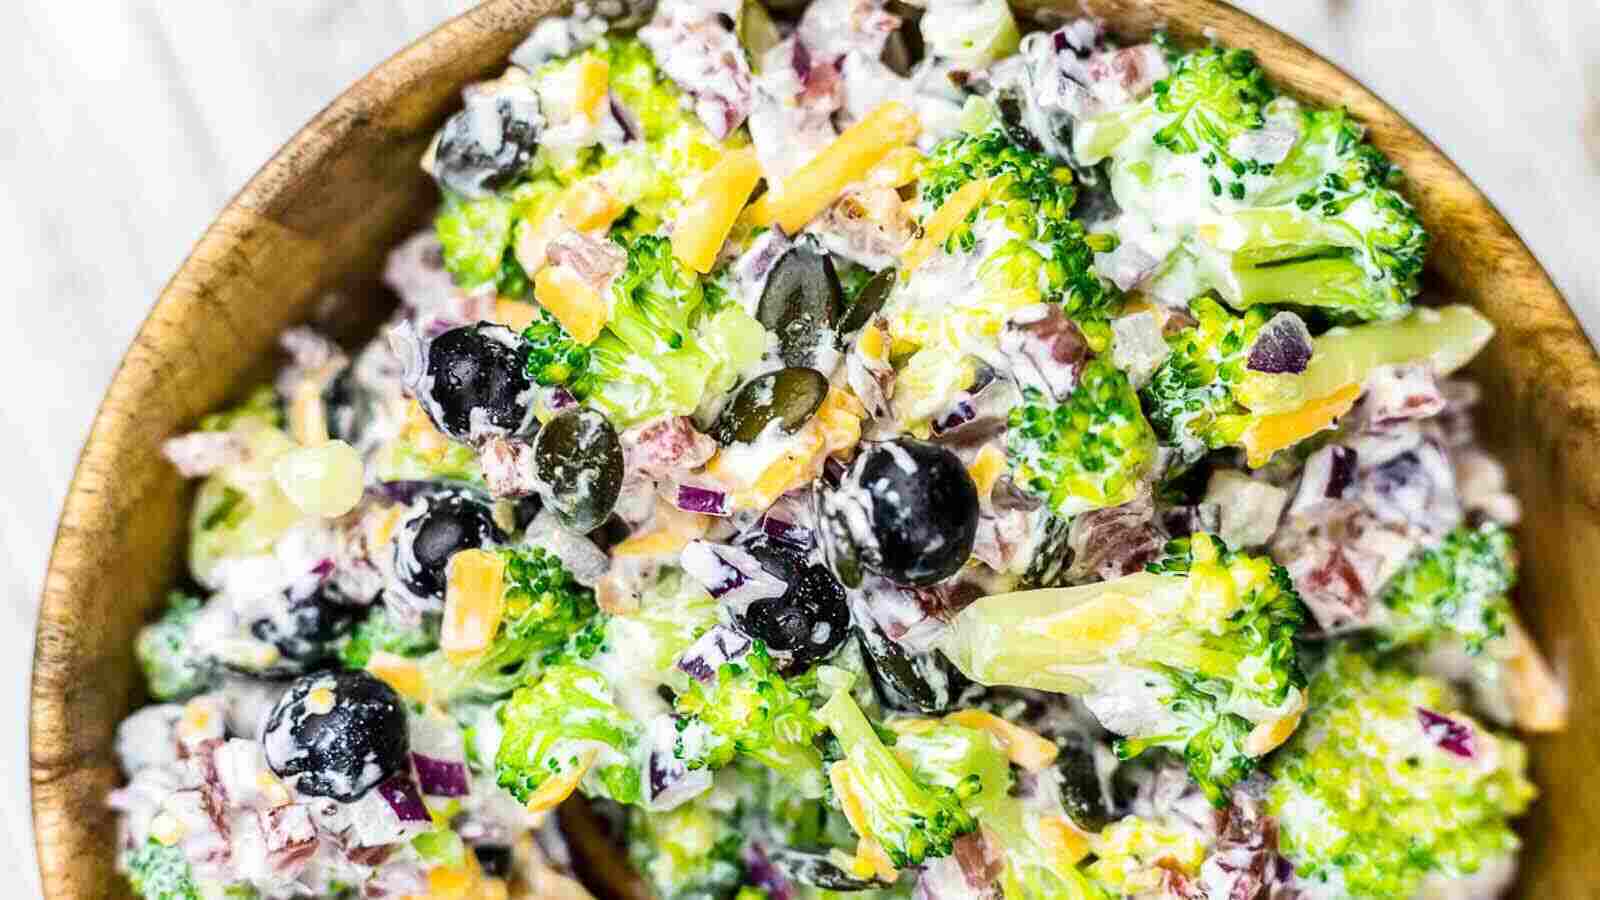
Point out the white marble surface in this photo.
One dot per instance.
(128, 123)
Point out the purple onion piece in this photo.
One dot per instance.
(560, 398)
(962, 413)
(323, 568)
(1341, 471)
(631, 130)
(1283, 346)
(730, 574)
(1448, 734)
(669, 782)
(786, 532)
(441, 777)
(702, 500)
(401, 793)
(763, 874)
(721, 645)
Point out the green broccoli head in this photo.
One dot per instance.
(475, 237)
(544, 607)
(663, 347)
(692, 852)
(383, 632)
(1087, 452)
(753, 711)
(1030, 196)
(158, 872)
(174, 668)
(1190, 398)
(1387, 783)
(1458, 589)
(909, 820)
(567, 727)
(1196, 655)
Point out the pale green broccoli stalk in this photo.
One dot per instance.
(383, 632)
(1033, 196)
(1191, 398)
(693, 852)
(662, 348)
(751, 710)
(1387, 784)
(1196, 655)
(555, 725)
(1459, 589)
(1087, 452)
(260, 406)
(544, 606)
(910, 821)
(174, 668)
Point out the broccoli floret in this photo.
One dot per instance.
(1134, 855)
(1196, 655)
(566, 728)
(1087, 452)
(475, 236)
(173, 667)
(753, 711)
(260, 406)
(159, 872)
(910, 821)
(1190, 398)
(693, 852)
(1458, 589)
(1388, 784)
(543, 607)
(1031, 197)
(661, 350)
(382, 632)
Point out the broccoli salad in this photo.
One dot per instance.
(858, 448)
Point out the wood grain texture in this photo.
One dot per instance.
(319, 217)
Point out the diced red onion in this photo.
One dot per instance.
(761, 873)
(669, 781)
(703, 500)
(400, 792)
(787, 532)
(441, 777)
(721, 645)
(559, 398)
(1283, 346)
(1328, 474)
(962, 413)
(1452, 736)
(730, 574)
(631, 129)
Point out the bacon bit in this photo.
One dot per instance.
(1279, 430)
(474, 603)
(1538, 699)
(553, 791)
(514, 314)
(814, 186)
(1063, 841)
(705, 221)
(400, 673)
(1029, 750)
(943, 222)
(569, 298)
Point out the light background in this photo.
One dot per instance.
(128, 123)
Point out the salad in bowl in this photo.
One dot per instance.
(858, 448)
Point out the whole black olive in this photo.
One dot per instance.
(489, 142)
(495, 859)
(305, 635)
(809, 622)
(476, 383)
(907, 510)
(792, 396)
(578, 458)
(914, 682)
(802, 297)
(450, 521)
(819, 871)
(338, 733)
(874, 294)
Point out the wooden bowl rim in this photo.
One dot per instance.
(87, 509)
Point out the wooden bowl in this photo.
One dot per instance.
(319, 217)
